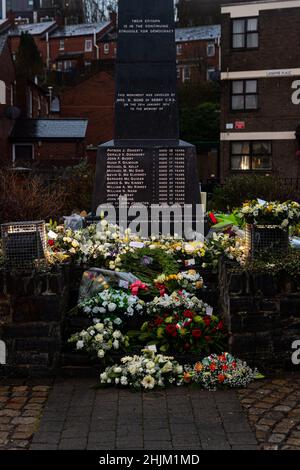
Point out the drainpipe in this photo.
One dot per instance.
(4, 9)
(220, 54)
(96, 46)
(48, 50)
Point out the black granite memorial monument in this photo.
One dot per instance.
(146, 161)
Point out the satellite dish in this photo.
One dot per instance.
(12, 112)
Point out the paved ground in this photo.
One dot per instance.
(78, 417)
(273, 408)
(20, 410)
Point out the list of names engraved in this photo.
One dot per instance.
(125, 174)
(157, 180)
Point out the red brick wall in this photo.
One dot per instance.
(194, 54)
(279, 42)
(112, 50)
(58, 153)
(92, 99)
(279, 48)
(7, 74)
(71, 44)
(40, 43)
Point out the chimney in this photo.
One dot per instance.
(11, 16)
(113, 18)
(59, 20)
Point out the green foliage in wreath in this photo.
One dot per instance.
(147, 263)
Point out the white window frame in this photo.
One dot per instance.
(208, 71)
(2, 92)
(61, 45)
(106, 48)
(186, 77)
(178, 49)
(23, 144)
(212, 46)
(88, 45)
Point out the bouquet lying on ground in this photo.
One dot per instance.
(111, 303)
(182, 323)
(150, 370)
(147, 371)
(220, 371)
(98, 340)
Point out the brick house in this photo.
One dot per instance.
(7, 93)
(260, 78)
(40, 33)
(76, 44)
(93, 99)
(48, 142)
(63, 48)
(198, 53)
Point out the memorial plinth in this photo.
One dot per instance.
(146, 161)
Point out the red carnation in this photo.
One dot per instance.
(212, 218)
(158, 321)
(220, 325)
(51, 242)
(221, 378)
(171, 330)
(188, 314)
(212, 366)
(224, 367)
(207, 321)
(197, 333)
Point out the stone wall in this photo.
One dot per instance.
(32, 309)
(262, 314)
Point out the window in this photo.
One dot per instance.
(245, 33)
(211, 49)
(186, 74)
(210, 74)
(251, 155)
(88, 45)
(61, 44)
(106, 48)
(178, 73)
(22, 153)
(244, 95)
(2, 92)
(179, 49)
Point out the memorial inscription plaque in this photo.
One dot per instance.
(146, 161)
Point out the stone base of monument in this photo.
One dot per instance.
(148, 173)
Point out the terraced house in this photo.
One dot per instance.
(261, 89)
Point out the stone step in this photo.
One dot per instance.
(25, 330)
(33, 344)
(79, 371)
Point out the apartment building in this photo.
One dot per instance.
(260, 76)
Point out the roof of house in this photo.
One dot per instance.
(28, 130)
(80, 29)
(198, 33)
(34, 29)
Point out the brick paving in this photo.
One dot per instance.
(273, 408)
(21, 407)
(77, 416)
